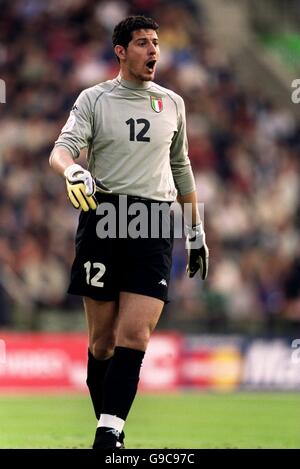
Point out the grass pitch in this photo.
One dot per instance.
(189, 420)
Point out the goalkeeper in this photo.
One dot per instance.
(135, 133)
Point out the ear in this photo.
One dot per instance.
(120, 52)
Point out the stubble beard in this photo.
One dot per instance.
(142, 77)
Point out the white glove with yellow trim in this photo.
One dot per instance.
(81, 187)
(198, 253)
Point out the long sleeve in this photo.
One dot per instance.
(77, 132)
(179, 160)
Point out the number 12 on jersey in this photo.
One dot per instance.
(141, 135)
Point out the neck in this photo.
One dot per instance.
(133, 83)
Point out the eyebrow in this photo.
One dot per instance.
(145, 39)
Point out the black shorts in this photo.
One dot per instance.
(105, 266)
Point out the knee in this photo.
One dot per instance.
(136, 339)
(102, 349)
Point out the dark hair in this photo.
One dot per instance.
(122, 34)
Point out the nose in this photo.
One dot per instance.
(152, 49)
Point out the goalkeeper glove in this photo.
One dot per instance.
(197, 251)
(81, 187)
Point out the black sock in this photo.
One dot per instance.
(96, 371)
(121, 381)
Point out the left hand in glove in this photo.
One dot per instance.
(197, 251)
(81, 187)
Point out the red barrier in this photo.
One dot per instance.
(50, 361)
(161, 370)
(57, 362)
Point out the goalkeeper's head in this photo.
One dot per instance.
(136, 47)
(122, 34)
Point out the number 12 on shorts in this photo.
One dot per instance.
(95, 279)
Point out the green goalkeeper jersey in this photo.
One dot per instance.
(136, 138)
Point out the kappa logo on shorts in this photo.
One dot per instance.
(163, 282)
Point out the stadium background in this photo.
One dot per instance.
(233, 63)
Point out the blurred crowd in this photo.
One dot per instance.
(243, 148)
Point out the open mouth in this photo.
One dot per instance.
(150, 65)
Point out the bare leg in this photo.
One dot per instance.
(102, 323)
(138, 316)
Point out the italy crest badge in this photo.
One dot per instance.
(156, 104)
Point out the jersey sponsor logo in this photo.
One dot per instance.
(156, 104)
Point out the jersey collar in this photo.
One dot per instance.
(134, 86)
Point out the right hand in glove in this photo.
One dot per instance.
(198, 253)
(81, 187)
